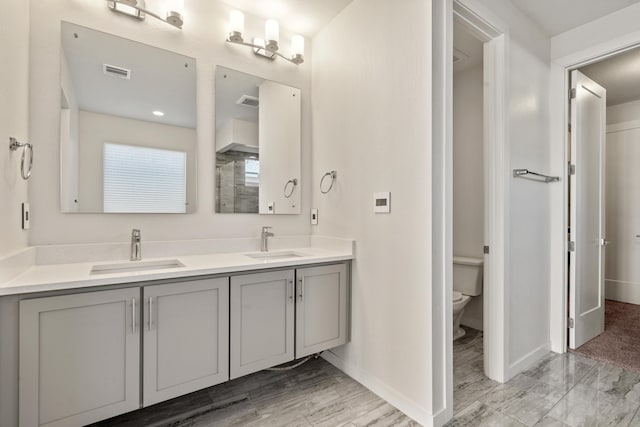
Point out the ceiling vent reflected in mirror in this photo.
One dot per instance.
(248, 101)
(113, 71)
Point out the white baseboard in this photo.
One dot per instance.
(528, 360)
(622, 291)
(396, 399)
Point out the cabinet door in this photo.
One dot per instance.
(262, 308)
(79, 357)
(321, 308)
(186, 338)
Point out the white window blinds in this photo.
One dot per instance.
(144, 180)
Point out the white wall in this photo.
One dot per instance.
(622, 270)
(468, 174)
(203, 38)
(14, 93)
(528, 210)
(69, 148)
(621, 113)
(611, 33)
(96, 129)
(468, 177)
(371, 123)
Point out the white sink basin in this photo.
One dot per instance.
(133, 266)
(275, 255)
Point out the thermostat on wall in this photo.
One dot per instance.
(382, 202)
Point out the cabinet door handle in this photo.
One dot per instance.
(290, 291)
(133, 315)
(150, 312)
(301, 289)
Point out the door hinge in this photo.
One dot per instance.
(572, 169)
(572, 246)
(571, 323)
(572, 93)
(569, 125)
(485, 249)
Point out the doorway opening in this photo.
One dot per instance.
(604, 209)
(468, 213)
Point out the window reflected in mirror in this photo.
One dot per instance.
(128, 137)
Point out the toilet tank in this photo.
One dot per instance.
(467, 275)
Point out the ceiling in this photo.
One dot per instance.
(619, 75)
(558, 16)
(230, 86)
(466, 47)
(160, 80)
(305, 17)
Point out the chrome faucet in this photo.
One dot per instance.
(264, 246)
(136, 245)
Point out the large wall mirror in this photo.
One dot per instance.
(128, 140)
(257, 145)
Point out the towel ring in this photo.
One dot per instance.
(333, 175)
(13, 146)
(294, 183)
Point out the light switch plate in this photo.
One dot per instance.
(26, 216)
(314, 216)
(382, 202)
(271, 207)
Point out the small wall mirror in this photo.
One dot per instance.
(257, 145)
(128, 139)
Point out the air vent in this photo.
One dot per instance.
(113, 71)
(248, 101)
(459, 56)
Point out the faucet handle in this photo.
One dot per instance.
(135, 232)
(265, 229)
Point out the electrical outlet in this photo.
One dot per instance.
(26, 218)
(314, 216)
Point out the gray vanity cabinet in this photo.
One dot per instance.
(321, 308)
(79, 357)
(262, 316)
(186, 338)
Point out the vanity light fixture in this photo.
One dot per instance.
(269, 46)
(158, 113)
(136, 9)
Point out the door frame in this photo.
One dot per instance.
(559, 139)
(487, 27)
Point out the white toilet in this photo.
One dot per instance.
(467, 283)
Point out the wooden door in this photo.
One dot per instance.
(79, 357)
(186, 338)
(262, 316)
(321, 308)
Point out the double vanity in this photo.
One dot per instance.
(98, 339)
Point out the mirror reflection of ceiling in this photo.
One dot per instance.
(467, 49)
(305, 17)
(558, 16)
(619, 75)
(160, 80)
(236, 84)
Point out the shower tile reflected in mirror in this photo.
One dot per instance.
(128, 131)
(257, 145)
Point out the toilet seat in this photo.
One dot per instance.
(457, 296)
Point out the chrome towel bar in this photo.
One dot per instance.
(523, 173)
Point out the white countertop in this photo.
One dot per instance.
(52, 277)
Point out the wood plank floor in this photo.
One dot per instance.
(314, 394)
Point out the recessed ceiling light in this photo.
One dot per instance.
(158, 113)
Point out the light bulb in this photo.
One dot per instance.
(236, 25)
(272, 34)
(297, 45)
(176, 6)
